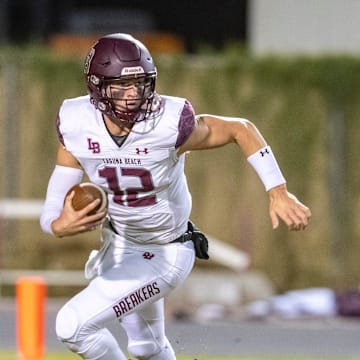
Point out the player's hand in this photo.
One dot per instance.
(72, 222)
(285, 206)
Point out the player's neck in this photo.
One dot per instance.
(117, 129)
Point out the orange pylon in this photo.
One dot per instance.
(30, 313)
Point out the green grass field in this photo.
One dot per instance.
(68, 356)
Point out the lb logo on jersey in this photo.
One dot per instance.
(148, 255)
(94, 146)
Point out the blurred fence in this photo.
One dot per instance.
(307, 109)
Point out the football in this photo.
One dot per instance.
(85, 193)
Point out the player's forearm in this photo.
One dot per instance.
(259, 155)
(248, 137)
(60, 182)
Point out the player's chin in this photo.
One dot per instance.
(133, 107)
(129, 108)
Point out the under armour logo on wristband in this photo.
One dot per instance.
(263, 153)
(147, 255)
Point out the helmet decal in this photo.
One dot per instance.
(88, 59)
(132, 70)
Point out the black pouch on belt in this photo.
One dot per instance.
(200, 241)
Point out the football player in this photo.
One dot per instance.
(132, 141)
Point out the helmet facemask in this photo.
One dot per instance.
(130, 108)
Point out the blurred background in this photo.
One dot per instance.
(292, 67)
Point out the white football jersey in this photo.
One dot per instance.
(149, 200)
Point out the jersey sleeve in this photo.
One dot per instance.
(186, 123)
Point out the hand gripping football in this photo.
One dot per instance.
(85, 193)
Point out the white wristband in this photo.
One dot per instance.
(264, 163)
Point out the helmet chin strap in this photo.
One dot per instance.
(156, 103)
(128, 123)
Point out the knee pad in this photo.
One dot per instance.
(87, 343)
(66, 323)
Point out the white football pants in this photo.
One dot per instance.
(131, 284)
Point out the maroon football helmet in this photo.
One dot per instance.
(115, 60)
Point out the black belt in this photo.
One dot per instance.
(183, 238)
